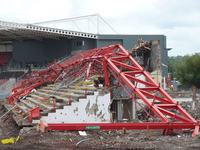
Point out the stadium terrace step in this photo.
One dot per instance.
(53, 85)
(39, 103)
(22, 107)
(45, 95)
(48, 105)
(60, 94)
(65, 98)
(28, 104)
(75, 91)
(90, 88)
(34, 95)
(45, 99)
(35, 121)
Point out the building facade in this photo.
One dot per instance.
(31, 44)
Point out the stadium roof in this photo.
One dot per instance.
(18, 31)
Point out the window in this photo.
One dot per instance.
(79, 43)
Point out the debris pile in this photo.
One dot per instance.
(8, 127)
(188, 107)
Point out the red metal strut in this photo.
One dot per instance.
(116, 61)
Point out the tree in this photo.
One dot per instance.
(188, 73)
(173, 63)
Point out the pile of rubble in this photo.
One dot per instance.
(188, 107)
(8, 126)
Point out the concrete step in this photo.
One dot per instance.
(87, 92)
(39, 103)
(36, 96)
(91, 88)
(53, 85)
(70, 94)
(43, 94)
(45, 99)
(64, 98)
(61, 93)
(75, 91)
(22, 107)
(35, 121)
(28, 104)
(40, 98)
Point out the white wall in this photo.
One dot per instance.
(93, 109)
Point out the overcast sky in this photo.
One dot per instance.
(179, 20)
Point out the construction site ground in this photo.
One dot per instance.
(130, 139)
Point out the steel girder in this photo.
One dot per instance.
(116, 61)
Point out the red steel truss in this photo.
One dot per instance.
(116, 61)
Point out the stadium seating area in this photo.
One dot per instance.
(5, 57)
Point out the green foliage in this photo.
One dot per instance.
(173, 61)
(188, 70)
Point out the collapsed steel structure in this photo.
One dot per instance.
(117, 62)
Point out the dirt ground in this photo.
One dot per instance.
(137, 140)
(132, 139)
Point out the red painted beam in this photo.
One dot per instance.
(119, 126)
(131, 68)
(132, 78)
(173, 115)
(132, 72)
(163, 100)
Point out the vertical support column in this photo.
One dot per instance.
(134, 108)
(119, 110)
(106, 76)
(134, 104)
